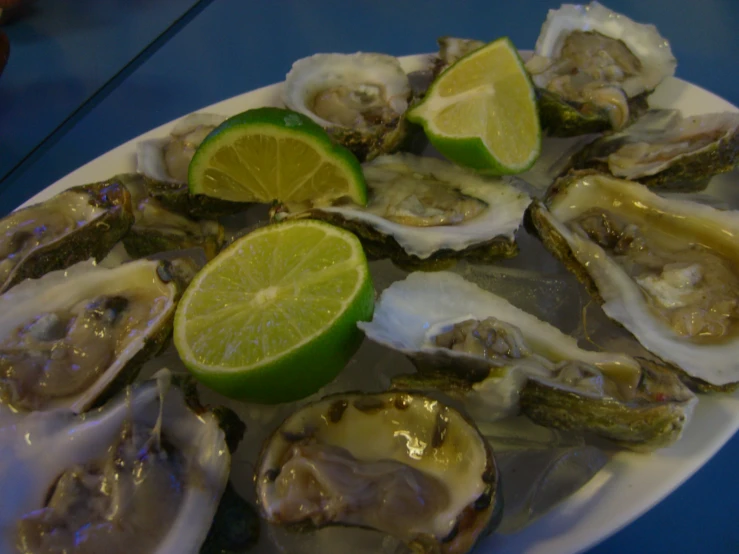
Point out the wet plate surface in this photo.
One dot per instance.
(629, 483)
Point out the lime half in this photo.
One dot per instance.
(481, 112)
(269, 154)
(273, 317)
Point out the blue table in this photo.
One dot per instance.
(62, 54)
(235, 46)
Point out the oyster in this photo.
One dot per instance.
(79, 223)
(425, 475)
(667, 151)
(168, 159)
(501, 359)
(425, 210)
(142, 474)
(157, 229)
(165, 162)
(594, 68)
(74, 336)
(665, 269)
(360, 99)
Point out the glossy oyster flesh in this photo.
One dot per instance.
(666, 151)
(165, 162)
(360, 99)
(398, 462)
(76, 224)
(74, 336)
(158, 229)
(425, 210)
(142, 474)
(499, 358)
(665, 269)
(593, 69)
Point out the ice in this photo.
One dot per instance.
(539, 468)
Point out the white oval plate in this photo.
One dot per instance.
(631, 483)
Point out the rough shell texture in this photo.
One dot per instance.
(112, 218)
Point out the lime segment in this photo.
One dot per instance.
(273, 317)
(481, 112)
(269, 154)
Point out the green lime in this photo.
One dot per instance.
(481, 112)
(274, 316)
(269, 154)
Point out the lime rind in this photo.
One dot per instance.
(279, 122)
(471, 151)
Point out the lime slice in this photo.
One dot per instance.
(269, 154)
(273, 317)
(481, 112)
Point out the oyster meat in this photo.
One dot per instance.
(74, 336)
(158, 229)
(360, 99)
(594, 68)
(398, 462)
(500, 360)
(425, 210)
(667, 151)
(79, 223)
(143, 474)
(665, 269)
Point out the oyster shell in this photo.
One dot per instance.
(666, 151)
(427, 476)
(74, 336)
(168, 159)
(424, 210)
(360, 99)
(165, 162)
(665, 269)
(594, 68)
(79, 223)
(501, 359)
(142, 474)
(157, 229)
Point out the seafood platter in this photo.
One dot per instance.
(541, 346)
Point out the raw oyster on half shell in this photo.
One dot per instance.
(75, 336)
(422, 211)
(76, 224)
(360, 99)
(665, 269)
(158, 229)
(666, 151)
(594, 68)
(502, 360)
(399, 462)
(142, 474)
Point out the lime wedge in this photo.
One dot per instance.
(273, 317)
(269, 154)
(481, 112)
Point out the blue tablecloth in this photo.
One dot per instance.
(62, 53)
(234, 46)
